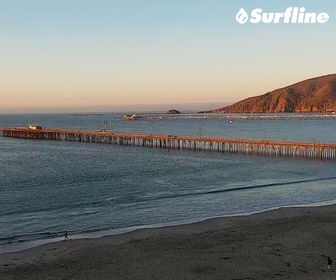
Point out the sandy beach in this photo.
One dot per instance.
(287, 243)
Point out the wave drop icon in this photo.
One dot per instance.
(242, 16)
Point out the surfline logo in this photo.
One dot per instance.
(291, 15)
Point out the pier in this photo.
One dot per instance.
(254, 116)
(255, 147)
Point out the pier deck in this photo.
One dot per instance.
(257, 147)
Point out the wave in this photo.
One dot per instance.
(29, 237)
(136, 199)
(241, 188)
(94, 234)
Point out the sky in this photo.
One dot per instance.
(100, 55)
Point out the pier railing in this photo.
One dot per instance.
(257, 147)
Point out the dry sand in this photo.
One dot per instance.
(288, 243)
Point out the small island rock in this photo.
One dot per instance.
(173, 111)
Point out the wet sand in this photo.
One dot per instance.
(288, 243)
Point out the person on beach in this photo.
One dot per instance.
(329, 262)
(66, 236)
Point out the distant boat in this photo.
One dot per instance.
(35, 127)
(133, 117)
(105, 127)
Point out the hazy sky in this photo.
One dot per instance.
(72, 55)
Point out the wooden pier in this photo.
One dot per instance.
(256, 147)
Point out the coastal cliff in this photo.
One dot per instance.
(313, 95)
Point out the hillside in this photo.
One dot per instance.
(313, 95)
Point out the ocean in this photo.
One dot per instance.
(47, 187)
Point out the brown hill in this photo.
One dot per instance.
(313, 95)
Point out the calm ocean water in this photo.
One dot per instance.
(47, 187)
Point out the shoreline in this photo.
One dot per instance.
(34, 244)
(79, 249)
(31, 245)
